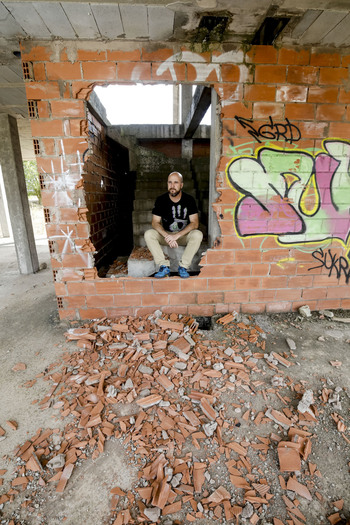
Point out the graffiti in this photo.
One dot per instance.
(272, 131)
(332, 262)
(292, 194)
(70, 246)
(202, 67)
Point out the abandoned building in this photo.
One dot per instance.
(270, 173)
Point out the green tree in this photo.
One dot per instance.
(32, 178)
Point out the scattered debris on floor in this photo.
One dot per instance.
(217, 428)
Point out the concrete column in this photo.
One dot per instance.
(186, 100)
(16, 194)
(4, 225)
(215, 149)
(176, 104)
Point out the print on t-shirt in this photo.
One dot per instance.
(179, 223)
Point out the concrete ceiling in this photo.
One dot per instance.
(311, 22)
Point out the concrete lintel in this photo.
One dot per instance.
(200, 102)
(16, 194)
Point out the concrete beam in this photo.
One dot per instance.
(16, 194)
(200, 102)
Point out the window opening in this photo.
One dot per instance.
(144, 141)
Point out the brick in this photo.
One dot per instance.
(182, 298)
(92, 313)
(260, 93)
(236, 297)
(260, 269)
(300, 111)
(294, 57)
(48, 146)
(99, 71)
(124, 56)
(157, 55)
(328, 304)
(325, 280)
(65, 313)
(77, 127)
(236, 108)
(325, 59)
(274, 282)
(83, 288)
(43, 109)
(110, 287)
(278, 307)
(314, 293)
(127, 300)
(82, 89)
(75, 301)
(267, 109)
(138, 286)
(99, 300)
(39, 71)
(315, 130)
(35, 53)
(332, 76)
(247, 256)
(180, 72)
(288, 294)
(42, 90)
(63, 71)
(322, 94)
(89, 55)
(210, 297)
(60, 289)
(221, 308)
(158, 299)
(203, 71)
(221, 284)
(230, 73)
(205, 310)
(166, 285)
(345, 304)
(253, 308)
(133, 71)
(72, 145)
(213, 270)
(300, 281)
(220, 256)
(260, 296)
(262, 55)
(73, 260)
(270, 74)
(47, 128)
(338, 292)
(302, 75)
(195, 284)
(339, 129)
(247, 283)
(330, 112)
(237, 270)
(291, 94)
(68, 108)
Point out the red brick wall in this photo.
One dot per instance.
(284, 197)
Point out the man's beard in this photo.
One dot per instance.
(175, 194)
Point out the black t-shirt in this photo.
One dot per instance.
(175, 215)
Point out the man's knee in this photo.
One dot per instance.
(150, 235)
(196, 236)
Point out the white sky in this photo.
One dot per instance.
(139, 104)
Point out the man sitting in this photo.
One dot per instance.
(174, 223)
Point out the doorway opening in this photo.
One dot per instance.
(139, 134)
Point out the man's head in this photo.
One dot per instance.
(175, 184)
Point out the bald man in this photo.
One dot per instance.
(174, 223)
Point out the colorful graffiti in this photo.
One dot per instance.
(292, 194)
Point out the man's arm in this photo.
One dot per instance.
(192, 225)
(171, 238)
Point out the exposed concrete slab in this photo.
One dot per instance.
(81, 19)
(108, 20)
(134, 20)
(160, 22)
(55, 19)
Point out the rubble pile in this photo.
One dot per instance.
(182, 404)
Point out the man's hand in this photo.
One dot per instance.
(171, 238)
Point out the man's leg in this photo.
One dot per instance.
(192, 241)
(154, 240)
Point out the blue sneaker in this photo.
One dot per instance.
(183, 272)
(162, 272)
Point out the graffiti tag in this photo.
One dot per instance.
(332, 262)
(271, 131)
(293, 194)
